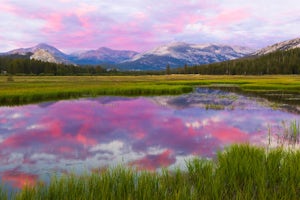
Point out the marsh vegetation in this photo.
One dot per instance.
(239, 172)
(30, 89)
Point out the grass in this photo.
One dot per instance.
(287, 136)
(239, 172)
(214, 107)
(3, 194)
(292, 132)
(30, 89)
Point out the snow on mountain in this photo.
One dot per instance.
(174, 54)
(179, 53)
(102, 55)
(24, 51)
(281, 46)
(43, 52)
(45, 56)
(90, 57)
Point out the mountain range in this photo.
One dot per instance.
(281, 46)
(179, 54)
(175, 54)
(102, 55)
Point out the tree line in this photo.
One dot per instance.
(22, 64)
(279, 62)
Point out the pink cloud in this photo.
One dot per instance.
(85, 140)
(77, 131)
(19, 179)
(9, 8)
(152, 162)
(53, 23)
(227, 134)
(229, 17)
(72, 25)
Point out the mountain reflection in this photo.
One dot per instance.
(148, 133)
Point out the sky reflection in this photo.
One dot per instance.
(148, 133)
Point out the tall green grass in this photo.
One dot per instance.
(293, 132)
(19, 98)
(30, 89)
(287, 136)
(3, 194)
(239, 172)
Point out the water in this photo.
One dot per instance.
(37, 141)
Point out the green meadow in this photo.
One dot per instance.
(239, 172)
(30, 89)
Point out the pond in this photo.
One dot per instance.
(37, 141)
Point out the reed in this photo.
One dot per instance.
(239, 172)
(3, 194)
(286, 136)
(31, 89)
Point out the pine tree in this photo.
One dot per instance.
(168, 70)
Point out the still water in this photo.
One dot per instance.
(37, 141)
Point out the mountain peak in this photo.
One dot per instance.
(281, 46)
(177, 54)
(47, 47)
(173, 44)
(45, 56)
(43, 45)
(102, 55)
(105, 49)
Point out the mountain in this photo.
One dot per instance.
(278, 62)
(178, 54)
(47, 53)
(174, 54)
(101, 55)
(281, 46)
(46, 56)
(42, 52)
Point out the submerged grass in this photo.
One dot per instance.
(29, 89)
(288, 135)
(239, 172)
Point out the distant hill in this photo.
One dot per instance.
(42, 52)
(281, 46)
(209, 58)
(173, 54)
(180, 54)
(46, 56)
(281, 61)
(102, 55)
(277, 62)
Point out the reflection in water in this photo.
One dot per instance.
(149, 133)
(19, 179)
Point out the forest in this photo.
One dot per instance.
(280, 62)
(23, 65)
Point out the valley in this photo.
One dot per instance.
(149, 100)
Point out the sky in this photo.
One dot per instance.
(140, 25)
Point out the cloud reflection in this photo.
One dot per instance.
(92, 133)
(152, 162)
(19, 179)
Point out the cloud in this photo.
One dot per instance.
(140, 25)
(136, 131)
(153, 162)
(19, 179)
